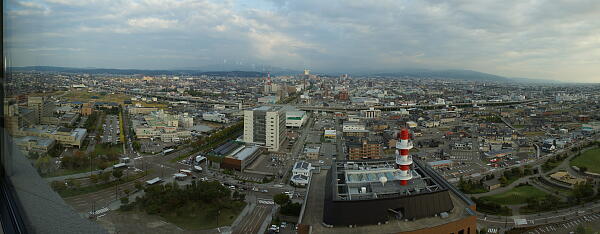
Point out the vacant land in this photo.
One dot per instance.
(517, 195)
(85, 96)
(589, 159)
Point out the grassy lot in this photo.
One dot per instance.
(63, 172)
(85, 96)
(102, 149)
(54, 93)
(517, 195)
(550, 165)
(157, 105)
(589, 159)
(197, 218)
(98, 187)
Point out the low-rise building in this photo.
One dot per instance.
(364, 148)
(312, 152)
(295, 119)
(491, 184)
(330, 133)
(371, 113)
(215, 117)
(65, 136)
(301, 173)
(34, 144)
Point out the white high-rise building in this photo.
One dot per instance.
(265, 126)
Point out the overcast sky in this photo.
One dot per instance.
(537, 39)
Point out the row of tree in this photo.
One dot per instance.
(491, 207)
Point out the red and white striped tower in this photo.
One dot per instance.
(403, 161)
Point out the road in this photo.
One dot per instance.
(252, 222)
(85, 202)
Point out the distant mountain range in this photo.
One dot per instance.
(261, 71)
(139, 71)
(443, 74)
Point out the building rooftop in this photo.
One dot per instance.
(363, 180)
(247, 151)
(41, 141)
(302, 165)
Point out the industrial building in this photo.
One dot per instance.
(265, 126)
(241, 157)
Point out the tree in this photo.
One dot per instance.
(503, 180)
(43, 164)
(103, 165)
(291, 209)
(117, 173)
(580, 229)
(138, 185)
(281, 199)
(583, 169)
(105, 176)
(583, 189)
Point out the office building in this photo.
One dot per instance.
(265, 126)
(41, 107)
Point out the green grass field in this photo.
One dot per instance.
(589, 159)
(102, 149)
(517, 195)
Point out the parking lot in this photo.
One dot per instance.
(269, 163)
(567, 226)
(111, 130)
(149, 146)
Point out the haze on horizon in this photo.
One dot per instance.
(557, 40)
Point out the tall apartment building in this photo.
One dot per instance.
(265, 126)
(41, 107)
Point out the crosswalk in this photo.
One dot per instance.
(266, 202)
(567, 225)
(492, 230)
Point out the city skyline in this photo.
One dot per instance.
(555, 40)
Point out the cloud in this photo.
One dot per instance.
(151, 22)
(546, 39)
